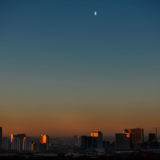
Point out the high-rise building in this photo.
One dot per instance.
(5, 144)
(43, 139)
(12, 137)
(77, 141)
(17, 142)
(44, 142)
(136, 134)
(28, 145)
(123, 142)
(88, 142)
(0, 138)
(99, 135)
(152, 137)
(94, 141)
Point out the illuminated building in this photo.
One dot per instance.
(44, 139)
(99, 135)
(0, 138)
(136, 134)
(17, 142)
(44, 142)
(123, 141)
(12, 136)
(94, 141)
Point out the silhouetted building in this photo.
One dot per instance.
(28, 145)
(5, 144)
(136, 134)
(99, 136)
(152, 137)
(17, 142)
(123, 142)
(77, 140)
(0, 138)
(88, 142)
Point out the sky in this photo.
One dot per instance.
(65, 71)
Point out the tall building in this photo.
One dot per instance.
(152, 137)
(17, 142)
(44, 139)
(0, 138)
(5, 144)
(136, 134)
(44, 142)
(99, 136)
(28, 145)
(88, 142)
(77, 141)
(123, 142)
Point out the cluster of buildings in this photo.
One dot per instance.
(22, 143)
(129, 140)
(133, 139)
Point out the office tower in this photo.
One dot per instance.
(123, 142)
(5, 144)
(99, 135)
(43, 139)
(84, 142)
(77, 140)
(152, 137)
(44, 142)
(137, 134)
(12, 137)
(0, 138)
(17, 142)
(88, 142)
(28, 145)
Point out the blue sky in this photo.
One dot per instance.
(57, 54)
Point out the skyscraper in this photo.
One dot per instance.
(43, 139)
(152, 137)
(28, 145)
(17, 142)
(99, 136)
(137, 134)
(77, 140)
(44, 142)
(88, 142)
(0, 137)
(123, 142)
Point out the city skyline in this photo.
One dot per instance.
(154, 130)
(126, 140)
(129, 142)
(65, 70)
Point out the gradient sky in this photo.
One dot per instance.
(64, 71)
